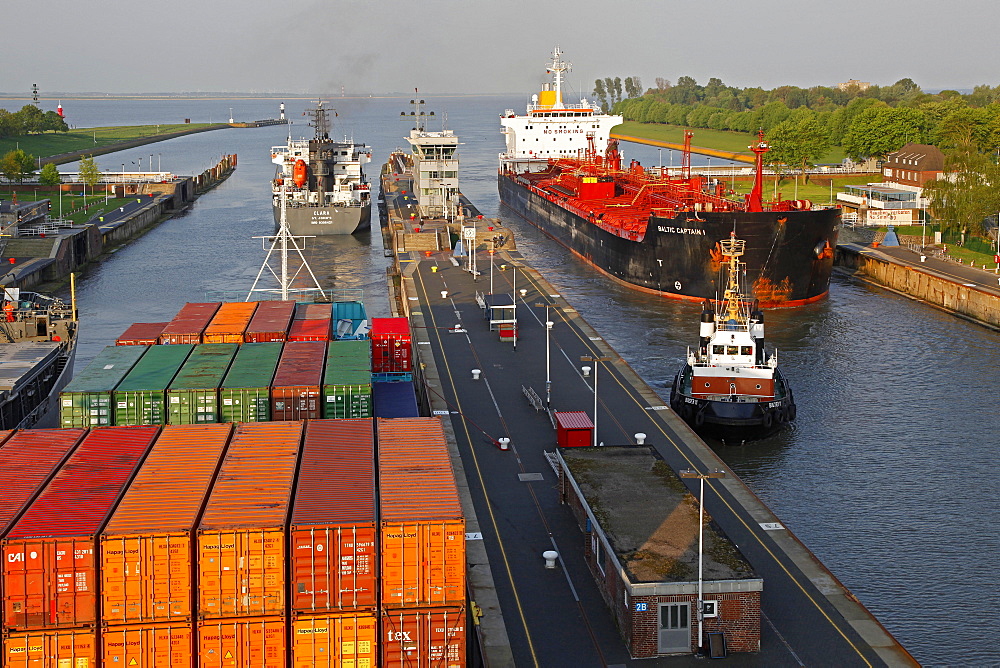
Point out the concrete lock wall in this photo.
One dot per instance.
(969, 301)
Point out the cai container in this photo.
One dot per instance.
(422, 541)
(336, 640)
(147, 548)
(193, 394)
(141, 334)
(333, 529)
(140, 397)
(245, 393)
(295, 394)
(50, 556)
(87, 400)
(423, 637)
(229, 323)
(189, 323)
(270, 322)
(241, 537)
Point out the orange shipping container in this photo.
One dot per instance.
(333, 529)
(241, 539)
(152, 646)
(147, 565)
(71, 648)
(229, 323)
(423, 637)
(334, 641)
(251, 642)
(422, 526)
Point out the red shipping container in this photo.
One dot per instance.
(257, 642)
(392, 345)
(49, 556)
(423, 637)
(270, 322)
(333, 530)
(309, 330)
(189, 323)
(313, 311)
(295, 390)
(574, 429)
(141, 334)
(422, 537)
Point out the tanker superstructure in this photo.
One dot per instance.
(325, 188)
(654, 230)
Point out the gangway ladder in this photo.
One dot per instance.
(282, 243)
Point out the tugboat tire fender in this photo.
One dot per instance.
(768, 420)
(699, 418)
(791, 412)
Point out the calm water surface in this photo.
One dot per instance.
(885, 475)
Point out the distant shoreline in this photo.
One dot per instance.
(241, 96)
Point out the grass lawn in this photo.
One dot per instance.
(54, 143)
(722, 140)
(819, 194)
(95, 204)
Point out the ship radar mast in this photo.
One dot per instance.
(319, 119)
(732, 249)
(282, 245)
(558, 67)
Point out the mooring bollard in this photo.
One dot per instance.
(475, 374)
(640, 438)
(504, 443)
(550, 557)
(444, 294)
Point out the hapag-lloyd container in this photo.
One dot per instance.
(392, 345)
(140, 397)
(193, 395)
(229, 323)
(189, 323)
(333, 529)
(245, 393)
(336, 640)
(49, 556)
(423, 637)
(87, 401)
(141, 334)
(295, 393)
(57, 648)
(147, 569)
(241, 538)
(422, 526)
(250, 642)
(147, 646)
(270, 322)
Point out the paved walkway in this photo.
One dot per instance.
(557, 617)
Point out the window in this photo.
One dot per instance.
(718, 350)
(732, 350)
(595, 547)
(746, 350)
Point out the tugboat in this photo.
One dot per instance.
(321, 182)
(727, 388)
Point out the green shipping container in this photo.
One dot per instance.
(245, 394)
(141, 397)
(193, 396)
(347, 382)
(87, 400)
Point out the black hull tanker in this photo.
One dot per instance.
(655, 231)
(790, 253)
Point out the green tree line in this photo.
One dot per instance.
(30, 120)
(867, 123)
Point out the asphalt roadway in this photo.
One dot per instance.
(558, 617)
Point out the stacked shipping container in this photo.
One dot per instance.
(229, 323)
(141, 334)
(88, 399)
(296, 389)
(193, 395)
(347, 381)
(245, 394)
(189, 323)
(392, 349)
(270, 322)
(422, 548)
(140, 397)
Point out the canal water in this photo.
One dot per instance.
(885, 475)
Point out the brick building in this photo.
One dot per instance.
(913, 165)
(640, 539)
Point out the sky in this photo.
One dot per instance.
(480, 47)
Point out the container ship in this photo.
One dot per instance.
(654, 230)
(322, 182)
(729, 387)
(37, 347)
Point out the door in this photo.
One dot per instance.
(674, 628)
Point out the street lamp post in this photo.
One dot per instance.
(597, 362)
(690, 473)
(548, 375)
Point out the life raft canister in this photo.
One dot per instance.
(299, 172)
